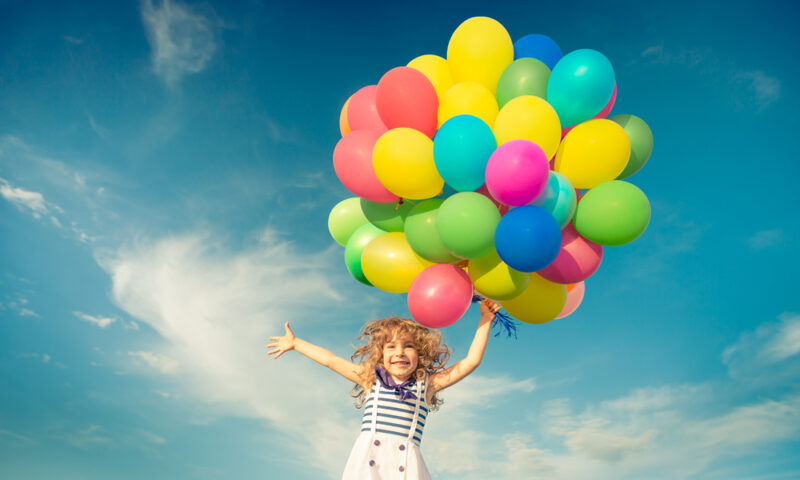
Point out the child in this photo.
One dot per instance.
(400, 371)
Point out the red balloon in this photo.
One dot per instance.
(362, 113)
(406, 98)
(577, 260)
(352, 160)
(439, 296)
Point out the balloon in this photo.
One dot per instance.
(466, 224)
(406, 98)
(612, 213)
(574, 299)
(580, 85)
(355, 247)
(540, 302)
(362, 112)
(540, 47)
(386, 216)
(422, 235)
(577, 259)
(461, 149)
(517, 172)
(603, 113)
(526, 76)
(494, 278)
(479, 50)
(352, 160)
(503, 209)
(558, 198)
(344, 127)
(439, 296)
(527, 238)
(529, 118)
(592, 153)
(435, 68)
(403, 161)
(345, 218)
(390, 264)
(468, 98)
(641, 138)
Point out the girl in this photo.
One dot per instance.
(399, 372)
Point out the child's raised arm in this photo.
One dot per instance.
(281, 345)
(461, 369)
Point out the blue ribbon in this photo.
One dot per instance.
(502, 321)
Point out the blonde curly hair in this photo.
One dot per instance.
(433, 354)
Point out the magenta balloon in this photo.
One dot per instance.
(352, 160)
(517, 172)
(362, 111)
(574, 299)
(577, 260)
(603, 113)
(439, 296)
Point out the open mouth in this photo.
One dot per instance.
(400, 364)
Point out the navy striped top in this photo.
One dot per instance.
(395, 416)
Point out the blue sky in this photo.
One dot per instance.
(165, 182)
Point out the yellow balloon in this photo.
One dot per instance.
(344, 127)
(593, 152)
(494, 279)
(468, 98)
(403, 162)
(540, 302)
(390, 264)
(479, 51)
(436, 69)
(530, 118)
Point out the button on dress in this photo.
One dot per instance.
(391, 432)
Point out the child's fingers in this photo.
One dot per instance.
(273, 352)
(270, 345)
(288, 329)
(279, 354)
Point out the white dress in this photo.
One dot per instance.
(391, 431)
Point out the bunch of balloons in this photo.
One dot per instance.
(495, 169)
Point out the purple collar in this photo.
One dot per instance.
(388, 383)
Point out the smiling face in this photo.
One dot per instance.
(400, 357)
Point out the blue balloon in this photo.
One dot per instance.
(580, 86)
(558, 198)
(527, 238)
(461, 149)
(540, 47)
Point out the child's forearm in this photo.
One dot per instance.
(314, 352)
(478, 347)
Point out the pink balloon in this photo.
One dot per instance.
(485, 192)
(439, 296)
(603, 113)
(352, 160)
(517, 172)
(574, 299)
(406, 98)
(362, 112)
(577, 260)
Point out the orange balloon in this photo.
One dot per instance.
(344, 127)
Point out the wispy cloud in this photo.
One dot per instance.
(766, 238)
(100, 321)
(181, 38)
(25, 200)
(764, 89)
(160, 362)
(773, 348)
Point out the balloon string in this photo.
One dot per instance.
(503, 322)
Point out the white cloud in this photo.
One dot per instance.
(160, 362)
(25, 312)
(182, 39)
(765, 90)
(24, 199)
(767, 355)
(766, 238)
(101, 322)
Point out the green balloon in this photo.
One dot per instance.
(612, 213)
(386, 216)
(641, 138)
(422, 235)
(466, 223)
(355, 247)
(525, 76)
(345, 218)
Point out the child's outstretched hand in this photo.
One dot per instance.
(283, 344)
(489, 309)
